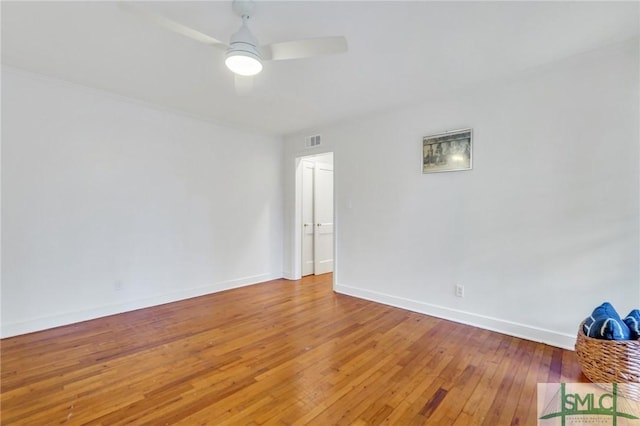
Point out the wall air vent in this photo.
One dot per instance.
(312, 141)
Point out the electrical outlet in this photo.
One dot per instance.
(459, 290)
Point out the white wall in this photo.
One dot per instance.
(110, 205)
(543, 229)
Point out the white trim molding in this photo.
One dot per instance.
(67, 318)
(498, 325)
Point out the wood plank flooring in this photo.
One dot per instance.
(282, 352)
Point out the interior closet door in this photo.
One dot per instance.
(323, 217)
(317, 217)
(308, 224)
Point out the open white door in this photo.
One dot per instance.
(308, 224)
(323, 218)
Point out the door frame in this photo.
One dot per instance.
(296, 266)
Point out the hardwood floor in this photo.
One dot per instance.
(282, 352)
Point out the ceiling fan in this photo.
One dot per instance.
(244, 56)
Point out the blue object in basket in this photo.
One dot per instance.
(605, 323)
(633, 322)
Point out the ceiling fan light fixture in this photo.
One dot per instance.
(243, 57)
(243, 62)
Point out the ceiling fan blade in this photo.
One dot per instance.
(243, 84)
(170, 25)
(304, 48)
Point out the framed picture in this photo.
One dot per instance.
(447, 152)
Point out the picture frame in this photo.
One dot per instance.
(448, 151)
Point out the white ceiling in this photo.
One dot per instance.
(399, 52)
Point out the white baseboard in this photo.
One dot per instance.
(549, 337)
(44, 323)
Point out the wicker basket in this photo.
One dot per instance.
(611, 361)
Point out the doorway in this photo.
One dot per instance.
(316, 220)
